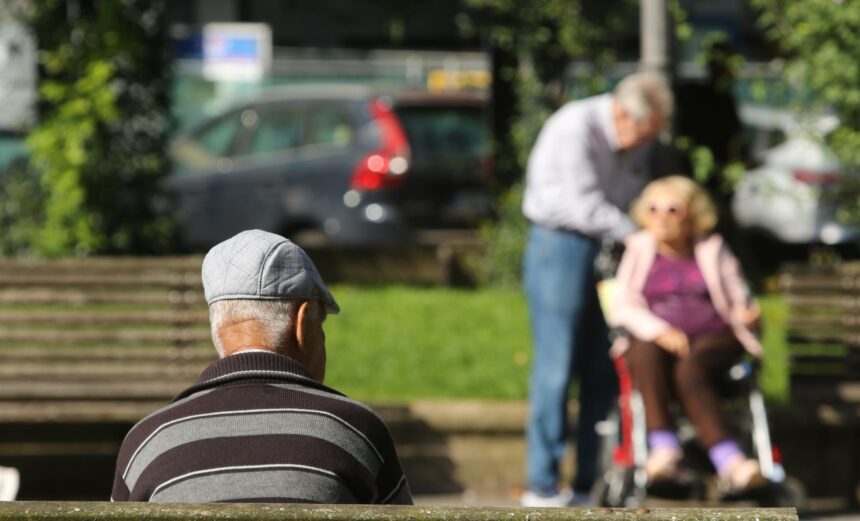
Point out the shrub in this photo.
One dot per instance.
(21, 202)
(502, 261)
(99, 148)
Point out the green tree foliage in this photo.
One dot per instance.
(99, 148)
(822, 41)
(538, 41)
(532, 44)
(721, 167)
(21, 202)
(500, 264)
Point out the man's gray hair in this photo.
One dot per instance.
(275, 316)
(643, 95)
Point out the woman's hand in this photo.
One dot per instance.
(750, 316)
(674, 341)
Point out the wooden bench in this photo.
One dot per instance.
(100, 338)
(823, 331)
(90, 346)
(283, 512)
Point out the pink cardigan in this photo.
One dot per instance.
(720, 269)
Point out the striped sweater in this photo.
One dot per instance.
(256, 428)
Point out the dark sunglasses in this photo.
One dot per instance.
(670, 210)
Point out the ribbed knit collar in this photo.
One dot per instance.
(253, 365)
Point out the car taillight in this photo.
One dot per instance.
(815, 177)
(776, 454)
(384, 167)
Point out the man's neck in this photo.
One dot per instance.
(241, 336)
(248, 349)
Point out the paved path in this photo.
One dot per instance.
(821, 510)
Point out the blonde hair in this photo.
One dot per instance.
(701, 211)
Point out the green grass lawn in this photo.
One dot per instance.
(398, 343)
(774, 375)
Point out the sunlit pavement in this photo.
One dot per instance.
(819, 509)
(466, 499)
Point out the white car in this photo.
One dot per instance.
(789, 195)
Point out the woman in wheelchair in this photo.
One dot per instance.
(689, 315)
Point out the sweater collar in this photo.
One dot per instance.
(252, 365)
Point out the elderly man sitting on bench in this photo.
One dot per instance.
(259, 425)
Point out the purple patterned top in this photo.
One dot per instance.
(676, 292)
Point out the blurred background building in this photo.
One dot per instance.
(418, 44)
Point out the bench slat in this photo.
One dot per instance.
(90, 389)
(816, 337)
(93, 355)
(105, 317)
(168, 318)
(817, 283)
(98, 280)
(60, 297)
(177, 263)
(815, 318)
(100, 372)
(51, 411)
(119, 336)
(817, 301)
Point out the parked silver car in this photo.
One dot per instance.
(789, 196)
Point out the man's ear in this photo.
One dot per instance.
(303, 324)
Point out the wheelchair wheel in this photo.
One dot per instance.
(615, 489)
(788, 493)
(615, 486)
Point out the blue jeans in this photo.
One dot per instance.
(570, 338)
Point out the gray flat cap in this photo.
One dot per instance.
(258, 265)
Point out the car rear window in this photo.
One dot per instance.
(217, 138)
(437, 132)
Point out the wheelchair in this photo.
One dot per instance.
(622, 481)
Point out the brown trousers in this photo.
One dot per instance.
(662, 377)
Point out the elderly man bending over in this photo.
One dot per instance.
(259, 425)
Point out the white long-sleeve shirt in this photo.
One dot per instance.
(577, 178)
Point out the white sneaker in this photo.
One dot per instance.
(10, 480)
(531, 498)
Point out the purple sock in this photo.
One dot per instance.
(722, 453)
(664, 439)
